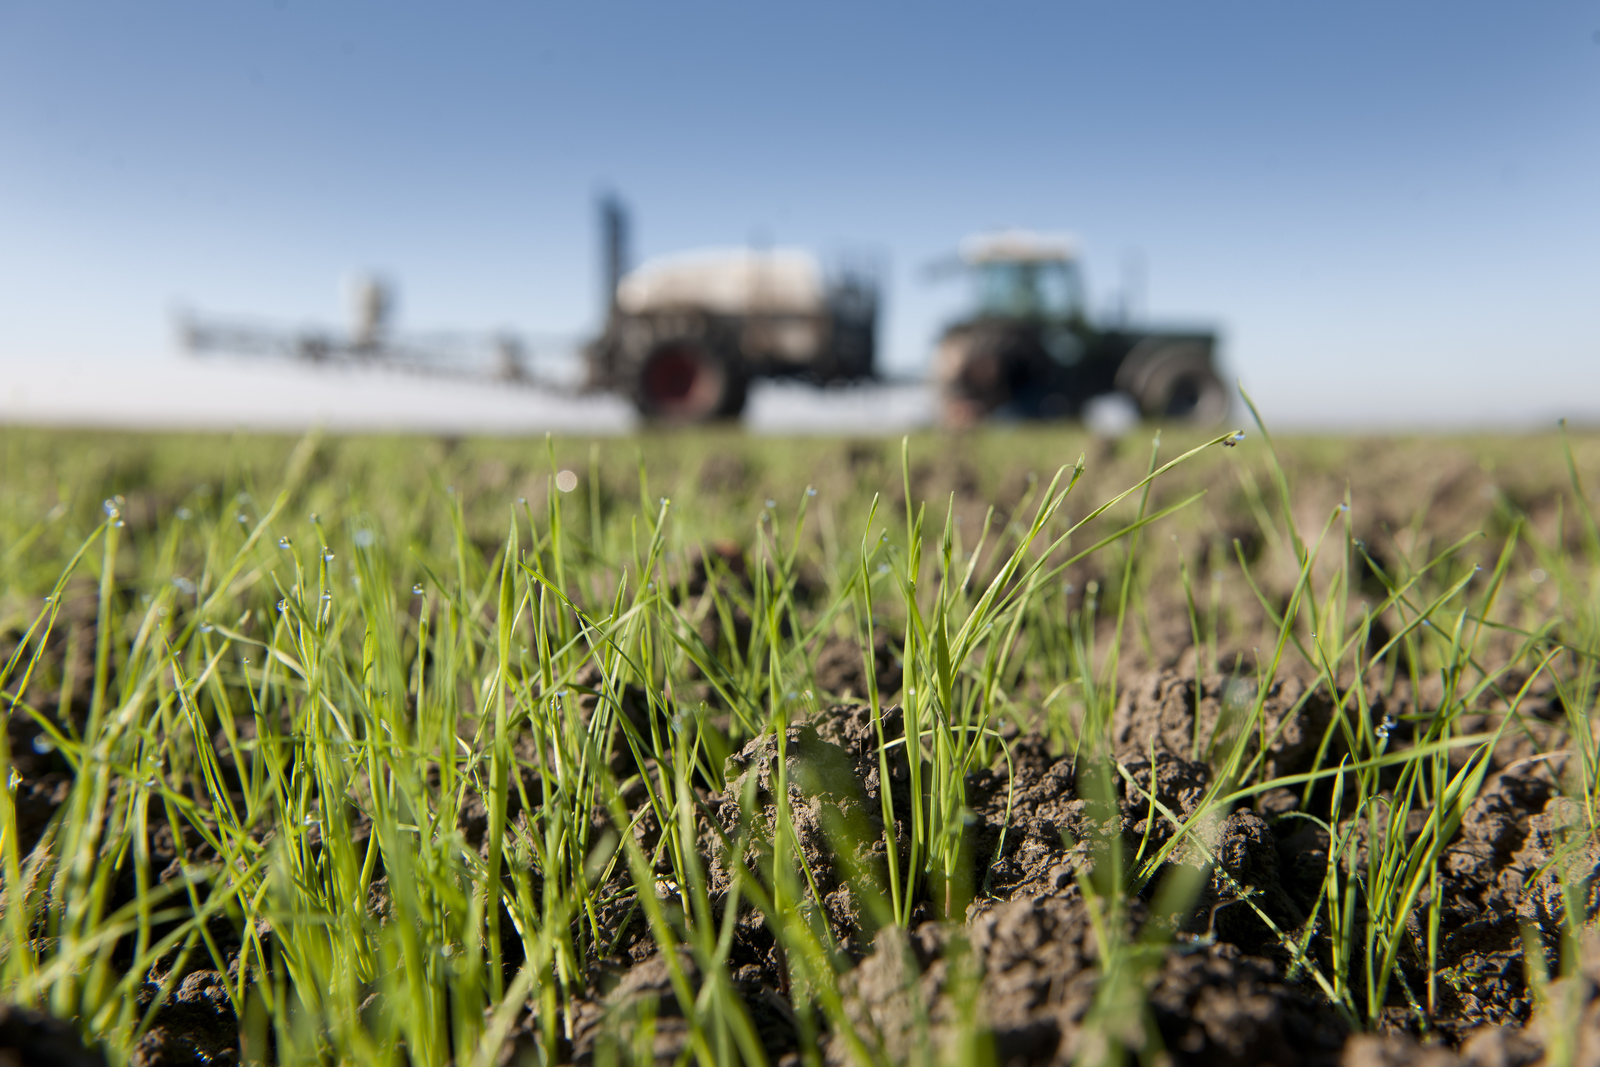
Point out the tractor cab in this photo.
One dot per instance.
(1021, 275)
(1029, 349)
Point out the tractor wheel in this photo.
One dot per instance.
(689, 379)
(1180, 385)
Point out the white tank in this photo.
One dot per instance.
(728, 282)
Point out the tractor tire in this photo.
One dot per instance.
(983, 373)
(1176, 383)
(688, 377)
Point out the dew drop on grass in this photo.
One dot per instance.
(43, 745)
(242, 520)
(184, 514)
(566, 481)
(416, 590)
(206, 627)
(14, 780)
(883, 568)
(283, 542)
(315, 518)
(326, 597)
(1537, 576)
(364, 538)
(119, 524)
(327, 555)
(811, 490)
(283, 605)
(772, 503)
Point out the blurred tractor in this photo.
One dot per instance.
(685, 335)
(1030, 351)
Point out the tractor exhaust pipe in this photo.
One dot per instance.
(613, 247)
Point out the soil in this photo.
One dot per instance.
(1024, 956)
(1220, 988)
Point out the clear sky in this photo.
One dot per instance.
(1391, 210)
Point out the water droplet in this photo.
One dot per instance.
(245, 660)
(883, 568)
(283, 542)
(326, 597)
(14, 780)
(312, 820)
(183, 585)
(364, 538)
(184, 514)
(1344, 507)
(450, 490)
(771, 503)
(522, 500)
(242, 520)
(566, 481)
(811, 490)
(206, 627)
(315, 518)
(1537, 576)
(43, 745)
(119, 524)
(283, 605)
(49, 600)
(665, 501)
(110, 506)
(327, 555)
(416, 590)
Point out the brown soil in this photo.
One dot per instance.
(1222, 990)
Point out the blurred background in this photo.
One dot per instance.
(1384, 216)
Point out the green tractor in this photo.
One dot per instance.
(1030, 350)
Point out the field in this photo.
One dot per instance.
(1017, 747)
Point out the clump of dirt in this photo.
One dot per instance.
(32, 1037)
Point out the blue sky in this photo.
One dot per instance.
(1383, 206)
